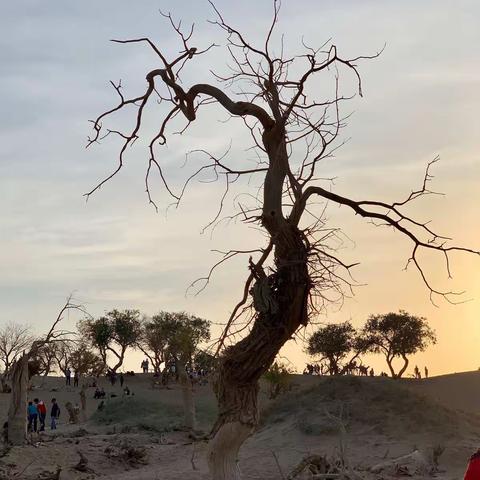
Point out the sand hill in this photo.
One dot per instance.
(369, 419)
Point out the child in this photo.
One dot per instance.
(32, 417)
(42, 413)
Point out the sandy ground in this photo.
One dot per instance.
(388, 429)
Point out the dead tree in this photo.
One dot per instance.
(293, 130)
(23, 369)
(17, 423)
(14, 340)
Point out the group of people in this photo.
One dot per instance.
(417, 374)
(113, 377)
(351, 369)
(144, 366)
(68, 378)
(37, 414)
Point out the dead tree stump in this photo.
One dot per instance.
(72, 413)
(17, 412)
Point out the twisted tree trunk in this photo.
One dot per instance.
(243, 364)
(17, 412)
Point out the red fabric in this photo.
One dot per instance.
(473, 470)
(42, 408)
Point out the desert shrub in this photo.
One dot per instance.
(379, 404)
(139, 413)
(127, 453)
(278, 378)
(135, 413)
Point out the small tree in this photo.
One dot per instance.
(334, 343)
(398, 335)
(86, 362)
(45, 359)
(204, 361)
(61, 352)
(279, 379)
(113, 333)
(14, 339)
(25, 366)
(183, 333)
(153, 341)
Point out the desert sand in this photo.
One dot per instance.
(138, 437)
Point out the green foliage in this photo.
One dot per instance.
(86, 362)
(334, 342)
(114, 332)
(400, 333)
(182, 333)
(278, 377)
(378, 403)
(397, 335)
(204, 360)
(139, 413)
(136, 413)
(126, 326)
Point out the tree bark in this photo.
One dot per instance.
(405, 366)
(223, 450)
(390, 366)
(282, 310)
(17, 412)
(187, 396)
(242, 365)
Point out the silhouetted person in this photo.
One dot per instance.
(426, 372)
(416, 372)
(75, 379)
(68, 377)
(122, 379)
(372, 373)
(54, 414)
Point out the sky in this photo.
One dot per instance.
(421, 99)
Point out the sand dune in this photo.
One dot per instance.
(136, 437)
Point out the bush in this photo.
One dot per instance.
(278, 379)
(147, 415)
(134, 413)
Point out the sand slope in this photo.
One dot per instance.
(382, 419)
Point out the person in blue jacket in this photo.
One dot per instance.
(32, 417)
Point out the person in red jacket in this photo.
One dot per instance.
(473, 469)
(42, 413)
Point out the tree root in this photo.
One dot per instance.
(82, 465)
(411, 464)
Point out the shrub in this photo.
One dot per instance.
(278, 378)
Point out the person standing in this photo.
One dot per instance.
(54, 414)
(426, 372)
(122, 379)
(32, 417)
(68, 377)
(75, 379)
(42, 413)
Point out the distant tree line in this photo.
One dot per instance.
(338, 347)
(100, 344)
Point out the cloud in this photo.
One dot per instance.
(420, 100)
